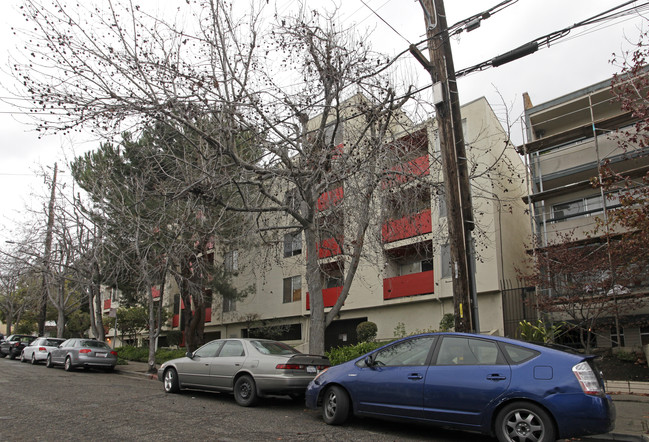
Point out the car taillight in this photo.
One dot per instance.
(289, 367)
(42, 349)
(85, 350)
(113, 352)
(587, 378)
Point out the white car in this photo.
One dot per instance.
(37, 351)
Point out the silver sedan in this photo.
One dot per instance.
(250, 368)
(86, 353)
(38, 350)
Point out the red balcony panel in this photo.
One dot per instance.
(329, 247)
(155, 292)
(409, 285)
(331, 198)
(329, 296)
(407, 171)
(175, 321)
(407, 227)
(106, 304)
(208, 314)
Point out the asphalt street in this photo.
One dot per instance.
(44, 404)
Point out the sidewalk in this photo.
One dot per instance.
(631, 402)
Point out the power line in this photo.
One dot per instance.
(534, 45)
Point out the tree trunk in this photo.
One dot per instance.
(101, 336)
(314, 285)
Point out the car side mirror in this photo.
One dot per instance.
(190, 355)
(369, 361)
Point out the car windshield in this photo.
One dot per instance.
(94, 344)
(273, 348)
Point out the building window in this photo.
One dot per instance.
(176, 304)
(446, 260)
(615, 342)
(229, 305)
(292, 289)
(441, 201)
(231, 261)
(292, 244)
(583, 207)
(644, 335)
(418, 266)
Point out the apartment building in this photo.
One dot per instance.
(403, 282)
(569, 139)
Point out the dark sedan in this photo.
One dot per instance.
(14, 344)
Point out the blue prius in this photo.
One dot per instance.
(514, 390)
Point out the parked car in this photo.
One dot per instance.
(79, 352)
(37, 351)
(14, 344)
(250, 368)
(514, 390)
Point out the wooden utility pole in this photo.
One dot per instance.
(42, 316)
(454, 164)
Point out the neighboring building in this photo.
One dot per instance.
(404, 280)
(568, 140)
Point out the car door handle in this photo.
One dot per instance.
(237, 364)
(496, 377)
(415, 376)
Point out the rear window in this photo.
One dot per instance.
(53, 342)
(518, 354)
(273, 348)
(94, 344)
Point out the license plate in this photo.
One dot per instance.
(100, 355)
(311, 369)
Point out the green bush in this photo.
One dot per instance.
(141, 354)
(626, 356)
(366, 331)
(166, 354)
(339, 355)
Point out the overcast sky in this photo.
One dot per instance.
(581, 59)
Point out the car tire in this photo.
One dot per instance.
(245, 391)
(22, 357)
(33, 359)
(68, 364)
(48, 361)
(170, 381)
(335, 405)
(2, 355)
(522, 421)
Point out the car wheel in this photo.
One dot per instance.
(68, 364)
(48, 361)
(335, 405)
(22, 357)
(12, 356)
(245, 391)
(2, 355)
(170, 381)
(524, 421)
(33, 359)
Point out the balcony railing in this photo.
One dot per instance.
(422, 283)
(405, 172)
(407, 227)
(329, 296)
(330, 198)
(329, 247)
(208, 314)
(106, 304)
